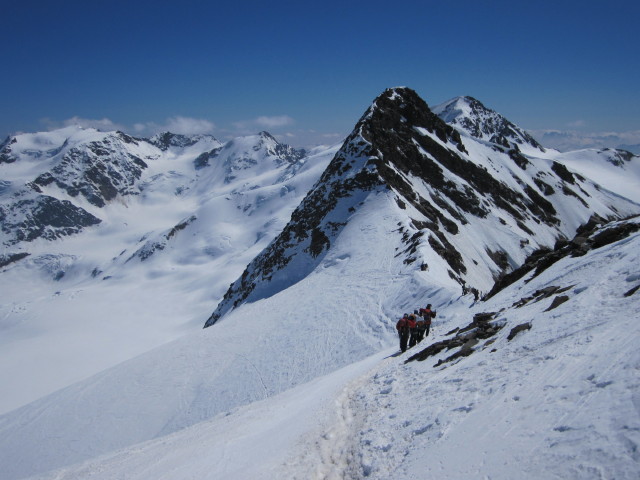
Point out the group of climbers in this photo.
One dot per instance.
(414, 327)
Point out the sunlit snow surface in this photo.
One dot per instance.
(113, 369)
(110, 305)
(558, 401)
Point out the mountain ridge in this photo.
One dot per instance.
(399, 144)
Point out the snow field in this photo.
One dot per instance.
(257, 351)
(558, 401)
(131, 306)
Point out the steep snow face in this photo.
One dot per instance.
(473, 209)
(615, 170)
(482, 123)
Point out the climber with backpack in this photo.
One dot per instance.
(421, 326)
(403, 331)
(413, 330)
(427, 316)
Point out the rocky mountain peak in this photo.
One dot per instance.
(402, 149)
(244, 156)
(166, 140)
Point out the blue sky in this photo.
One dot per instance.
(307, 71)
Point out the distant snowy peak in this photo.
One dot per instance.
(282, 151)
(43, 145)
(245, 158)
(481, 122)
(166, 140)
(99, 170)
(618, 157)
(44, 173)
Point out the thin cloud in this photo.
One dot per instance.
(566, 140)
(264, 122)
(180, 125)
(577, 124)
(274, 122)
(103, 124)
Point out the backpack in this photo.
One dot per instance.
(403, 325)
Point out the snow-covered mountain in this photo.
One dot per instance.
(298, 371)
(472, 118)
(445, 188)
(480, 122)
(167, 236)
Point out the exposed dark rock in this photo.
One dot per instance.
(9, 258)
(99, 171)
(542, 294)
(6, 155)
(543, 208)
(500, 258)
(559, 300)
(632, 291)
(42, 217)
(590, 237)
(619, 156)
(519, 159)
(516, 330)
(563, 172)
(613, 234)
(166, 140)
(480, 328)
(152, 246)
(319, 242)
(545, 188)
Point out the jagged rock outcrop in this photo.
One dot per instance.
(29, 217)
(165, 140)
(151, 246)
(592, 235)
(99, 171)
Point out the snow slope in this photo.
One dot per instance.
(559, 400)
(261, 349)
(158, 262)
(615, 170)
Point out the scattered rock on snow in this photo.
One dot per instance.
(632, 291)
(559, 300)
(516, 330)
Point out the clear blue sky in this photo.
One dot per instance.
(310, 69)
